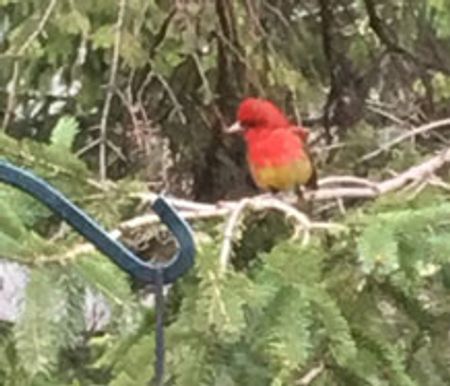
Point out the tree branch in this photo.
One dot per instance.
(412, 133)
(191, 210)
(110, 92)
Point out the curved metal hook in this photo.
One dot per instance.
(89, 229)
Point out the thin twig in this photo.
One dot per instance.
(367, 190)
(110, 91)
(311, 375)
(277, 12)
(303, 223)
(201, 71)
(176, 104)
(413, 133)
(145, 83)
(127, 101)
(196, 211)
(415, 173)
(417, 189)
(438, 182)
(386, 114)
(40, 27)
(230, 230)
(272, 203)
(116, 150)
(88, 147)
(11, 101)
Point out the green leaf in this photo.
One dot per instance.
(104, 36)
(74, 22)
(132, 51)
(64, 132)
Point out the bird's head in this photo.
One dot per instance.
(254, 113)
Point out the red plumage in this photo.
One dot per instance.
(277, 153)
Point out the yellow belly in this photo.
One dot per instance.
(284, 177)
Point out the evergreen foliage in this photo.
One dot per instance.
(364, 307)
(52, 320)
(368, 304)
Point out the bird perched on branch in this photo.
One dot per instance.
(277, 152)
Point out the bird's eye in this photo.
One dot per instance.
(248, 123)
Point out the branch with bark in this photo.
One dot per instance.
(330, 188)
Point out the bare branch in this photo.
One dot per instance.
(12, 95)
(191, 210)
(344, 180)
(421, 171)
(176, 104)
(110, 91)
(417, 131)
(208, 91)
(416, 173)
(230, 231)
(88, 147)
(311, 375)
(263, 203)
(161, 34)
(438, 182)
(386, 114)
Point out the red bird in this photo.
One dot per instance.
(277, 153)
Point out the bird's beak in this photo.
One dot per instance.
(234, 128)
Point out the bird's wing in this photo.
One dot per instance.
(303, 134)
